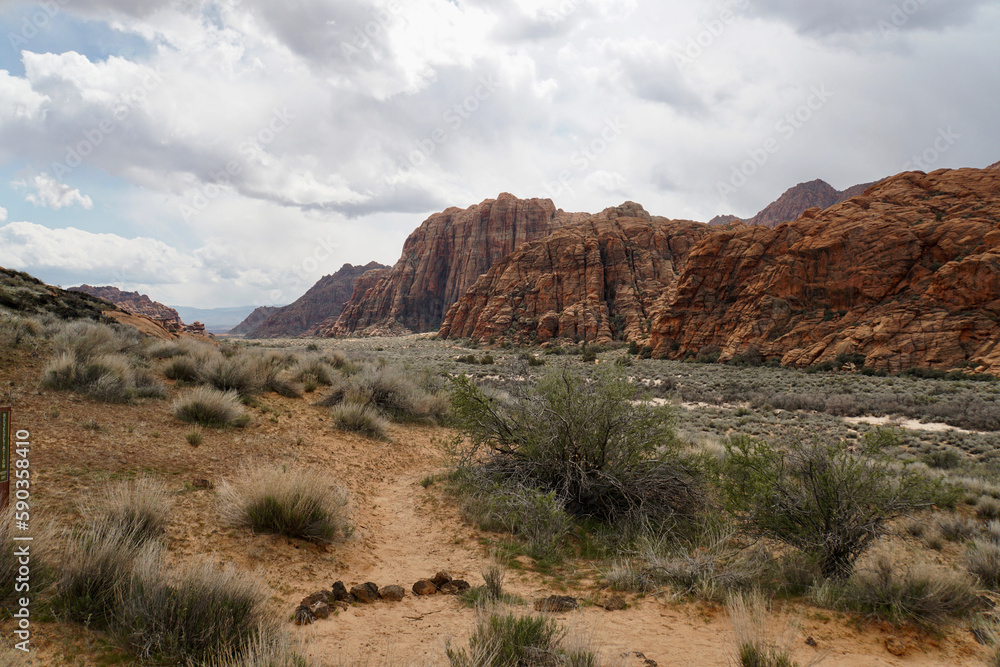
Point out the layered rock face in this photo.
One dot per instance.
(907, 274)
(595, 280)
(442, 258)
(814, 194)
(253, 320)
(365, 282)
(131, 302)
(324, 300)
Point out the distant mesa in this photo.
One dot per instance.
(804, 196)
(253, 320)
(321, 303)
(140, 304)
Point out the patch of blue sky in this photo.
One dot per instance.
(53, 29)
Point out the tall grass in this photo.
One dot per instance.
(753, 645)
(506, 639)
(285, 501)
(210, 407)
(139, 507)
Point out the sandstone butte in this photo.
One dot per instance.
(594, 280)
(907, 274)
(323, 300)
(132, 302)
(441, 259)
(794, 201)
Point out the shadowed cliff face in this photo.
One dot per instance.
(133, 302)
(324, 301)
(795, 201)
(441, 259)
(907, 274)
(596, 280)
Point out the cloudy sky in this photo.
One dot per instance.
(230, 152)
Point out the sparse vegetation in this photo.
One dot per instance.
(285, 501)
(504, 639)
(359, 418)
(753, 647)
(821, 497)
(212, 408)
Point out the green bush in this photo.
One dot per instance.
(603, 453)
(823, 498)
(210, 407)
(284, 501)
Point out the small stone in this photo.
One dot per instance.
(440, 579)
(448, 589)
(340, 592)
(320, 610)
(392, 593)
(202, 484)
(811, 642)
(318, 596)
(424, 587)
(894, 646)
(556, 603)
(461, 585)
(614, 603)
(366, 593)
(303, 615)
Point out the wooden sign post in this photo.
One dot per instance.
(4, 457)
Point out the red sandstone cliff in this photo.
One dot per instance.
(253, 320)
(814, 194)
(323, 301)
(907, 274)
(441, 259)
(596, 280)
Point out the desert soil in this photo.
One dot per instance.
(403, 532)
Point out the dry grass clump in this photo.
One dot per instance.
(42, 542)
(203, 613)
(538, 517)
(139, 508)
(110, 377)
(924, 596)
(983, 561)
(988, 508)
(752, 644)
(181, 368)
(210, 407)
(359, 418)
(285, 501)
(505, 639)
(955, 528)
(393, 393)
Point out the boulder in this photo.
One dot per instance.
(366, 593)
(424, 587)
(392, 593)
(556, 603)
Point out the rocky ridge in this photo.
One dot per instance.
(132, 302)
(596, 280)
(253, 320)
(322, 301)
(907, 274)
(441, 259)
(794, 201)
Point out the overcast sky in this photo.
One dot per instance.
(230, 152)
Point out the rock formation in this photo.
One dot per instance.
(907, 274)
(132, 302)
(442, 258)
(791, 204)
(324, 300)
(595, 280)
(365, 282)
(253, 320)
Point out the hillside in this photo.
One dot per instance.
(322, 301)
(132, 302)
(253, 320)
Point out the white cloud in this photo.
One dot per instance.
(50, 193)
(3, 214)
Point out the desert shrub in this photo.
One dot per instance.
(943, 459)
(210, 407)
(988, 508)
(108, 377)
(954, 527)
(16, 330)
(97, 564)
(538, 517)
(924, 596)
(201, 614)
(507, 639)
(182, 368)
(359, 418)
(246, 374)
(315, 369)
(753, 647)
(393, 393)
(285, 501)
(823, 498)
(603, 454)
(138, 508)
(983, 560)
